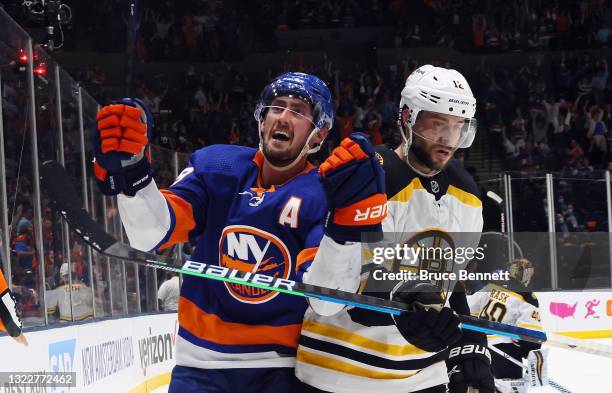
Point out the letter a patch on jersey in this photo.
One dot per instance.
(290, 213)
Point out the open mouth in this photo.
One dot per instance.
(281, 136)
(442, 152)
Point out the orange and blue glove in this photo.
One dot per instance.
(354, 183)
(121, 138)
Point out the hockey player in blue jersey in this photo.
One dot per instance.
(257, 210)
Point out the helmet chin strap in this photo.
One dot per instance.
(305, 150)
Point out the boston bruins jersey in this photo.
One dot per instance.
(74, 305)
(498, 303)
(360, 350)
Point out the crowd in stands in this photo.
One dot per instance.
(494, 26)
(210, 30)
(552, 116)
(27, 265)
(214, 30)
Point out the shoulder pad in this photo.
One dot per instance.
(461, 178)
(221, 158)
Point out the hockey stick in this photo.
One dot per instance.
(497, 199)
(59, 186)
(552, 383)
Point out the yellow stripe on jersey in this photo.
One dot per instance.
(358, 340)
(345, 367)
(588, 334)
(406, 193)
(530, 326)
(464, 196)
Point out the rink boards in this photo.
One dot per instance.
(577, 314)
(137, 354)
(119, 355)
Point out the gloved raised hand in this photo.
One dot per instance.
(121, 138)
(354, 183)
(425, 327)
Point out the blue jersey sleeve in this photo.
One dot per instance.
(187, 199)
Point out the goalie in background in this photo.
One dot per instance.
(509, 302)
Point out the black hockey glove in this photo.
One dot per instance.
(470, 365)
(426, 328)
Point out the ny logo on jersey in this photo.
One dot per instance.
(252, 250)
(241, 245)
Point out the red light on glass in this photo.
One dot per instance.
(41, 69)
(23, 57)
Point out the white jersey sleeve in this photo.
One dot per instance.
(168, 293)
(145, 217)
(529, 316)
(500, 304)
(52, 300)
(78, 305)
(477, 301)
(336, 266)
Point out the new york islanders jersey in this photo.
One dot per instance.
(218, 203)
(9, 320)
(501, 304)
(362, 350)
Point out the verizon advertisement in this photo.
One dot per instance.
(123, 353)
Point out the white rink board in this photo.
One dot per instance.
(65, 348)
(118, 355)
(576, 311)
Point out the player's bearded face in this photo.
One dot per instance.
(286, 127)
(433, 138)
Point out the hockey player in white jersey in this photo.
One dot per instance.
(73, 303)
(432, 200)
(509, 302)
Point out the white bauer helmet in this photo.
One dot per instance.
(439, 90)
